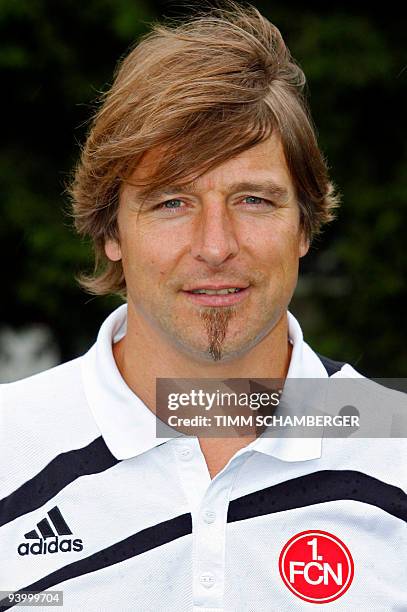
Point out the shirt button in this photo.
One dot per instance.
(185, 453)
(209, 516)
(207, 580)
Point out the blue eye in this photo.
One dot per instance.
(168, 204)
(255, 200)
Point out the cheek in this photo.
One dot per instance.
(146, 258)
(278, 248)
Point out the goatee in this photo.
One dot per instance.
(216, 323)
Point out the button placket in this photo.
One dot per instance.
(209, 532)
(192, 470)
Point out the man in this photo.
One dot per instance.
(201, 185)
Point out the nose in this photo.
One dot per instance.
(214, 240)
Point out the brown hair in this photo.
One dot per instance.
(205, 89)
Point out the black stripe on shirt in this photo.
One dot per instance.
(62, 470)
(134, 545)
(330, 365)
(317, 488)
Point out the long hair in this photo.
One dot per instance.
(204, 90)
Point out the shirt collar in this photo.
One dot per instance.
(304, 363)
(129, 427)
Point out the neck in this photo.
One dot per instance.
(143, 355)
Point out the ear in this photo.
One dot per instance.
(113, 250)
(304, 244)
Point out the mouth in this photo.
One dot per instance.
(217, 296)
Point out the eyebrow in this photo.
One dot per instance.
(268, 187)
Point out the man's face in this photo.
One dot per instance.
(236, 226)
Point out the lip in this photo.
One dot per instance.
(216, 287)
(217, 300)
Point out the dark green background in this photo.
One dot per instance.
(55, 58)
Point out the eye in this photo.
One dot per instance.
(257, 200)
(170, 204)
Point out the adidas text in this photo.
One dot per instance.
(44, 547)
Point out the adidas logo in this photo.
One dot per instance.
(43, 546)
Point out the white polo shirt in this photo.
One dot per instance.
(93, 504)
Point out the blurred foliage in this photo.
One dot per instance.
(56, 57)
